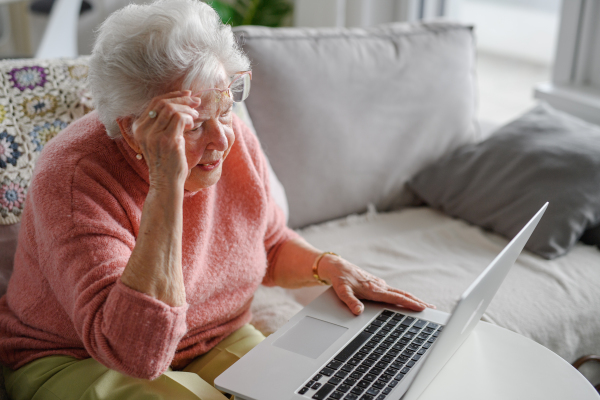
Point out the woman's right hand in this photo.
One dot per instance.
(161, 138)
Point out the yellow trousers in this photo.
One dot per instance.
(67, 378)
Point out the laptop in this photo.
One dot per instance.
(386, 353)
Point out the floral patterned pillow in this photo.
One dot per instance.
(38, 98)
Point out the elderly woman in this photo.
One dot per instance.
(149, 225)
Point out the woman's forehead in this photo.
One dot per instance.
(214, 101)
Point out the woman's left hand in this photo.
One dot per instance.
(352, 283)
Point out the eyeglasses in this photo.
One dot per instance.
(238, 89)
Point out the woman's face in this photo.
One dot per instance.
(209, 141)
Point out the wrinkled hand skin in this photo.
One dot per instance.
(352, 283)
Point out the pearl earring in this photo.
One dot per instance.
(138, 156)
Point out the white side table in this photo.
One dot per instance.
(495, 363)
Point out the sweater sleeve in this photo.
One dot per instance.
(84, 237)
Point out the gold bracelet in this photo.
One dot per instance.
(315, 267)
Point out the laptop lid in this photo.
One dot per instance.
(470, 308)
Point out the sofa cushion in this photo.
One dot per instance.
(347, 116)
(499, 184)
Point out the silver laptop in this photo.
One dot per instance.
(386, 353)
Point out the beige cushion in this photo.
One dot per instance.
(347, 116)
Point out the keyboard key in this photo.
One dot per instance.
(350, 382)
(382, 365)
(336, 395)
(408, 336)
(385, 378)
(334, 364)
(385, 329)
(357, 390)
(343, 388)
(388, 313)
(427, 345)
(408, 353)
(423, 335)
(387, 390)
(405, 370)
(323, 392)
(398, 346)
(420, 324)
(353, 361)
(368, 363)
(369, 377)
(387, 359)
(351, 396)
(432, 325)
(382, 318)
(380, 397)
(419, 341)
(377, 323)
(353, 346)
(341, 374)
(436, 334)
(429, 330)
(379, 384)
(431, 339)
(376, 371)
(391, 371)
(374, 357)
(398, 316)
(303, 390)
(416, 357)
(327, 372)
(399, 376)
(393, 383)
(347, 367)
(362, 369)
(371, 329)
(309, 384)
(421, 351)
(367, 397)
(395, 334)
(398, 364)
(410, 364)
(407, 321)
(334, 381)
(403, 358)
(393, 353)
(366, 349)
(390, 339)
(371, 343)
(414, 330)
(393, 322)
(356, 375)
(317, 377)
(359, 356)
(363, 384)
(373, 391)
(380, 351)
(414, 346)
(384, 345)
(316, 385)
(377, 338)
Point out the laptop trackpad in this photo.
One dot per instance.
(310, 337)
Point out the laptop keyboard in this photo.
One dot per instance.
(375, 361)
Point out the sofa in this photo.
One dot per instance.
(349, 120)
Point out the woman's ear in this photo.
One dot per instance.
(125, 124)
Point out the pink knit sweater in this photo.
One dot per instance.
(81, 220)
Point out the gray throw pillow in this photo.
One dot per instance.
(498, 184)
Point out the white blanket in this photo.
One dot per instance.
(556, 303)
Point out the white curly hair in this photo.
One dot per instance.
(142, 51)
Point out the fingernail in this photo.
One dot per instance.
(358, 309)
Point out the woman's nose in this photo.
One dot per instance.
(216, 136)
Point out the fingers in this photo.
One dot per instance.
(346, 294)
